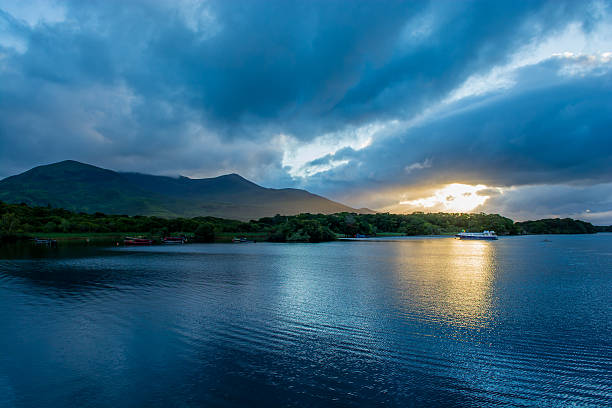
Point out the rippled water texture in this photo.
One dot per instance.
(419, 321)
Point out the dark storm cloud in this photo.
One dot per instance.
(183, 86)
(552, 127)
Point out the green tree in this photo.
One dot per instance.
(205, 232)
(64, 225)
(9, 224)
(50, 227)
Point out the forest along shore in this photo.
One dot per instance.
(19, 221)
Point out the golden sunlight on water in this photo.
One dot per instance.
(447, 280)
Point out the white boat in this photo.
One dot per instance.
(486, 235)
(173, 240)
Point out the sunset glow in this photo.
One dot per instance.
(453, 197)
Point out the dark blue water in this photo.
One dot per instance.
(416, 322)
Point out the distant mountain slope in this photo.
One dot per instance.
(83, 187)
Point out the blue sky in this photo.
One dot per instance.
(402, 106)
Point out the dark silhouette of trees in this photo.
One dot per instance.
(20, 219)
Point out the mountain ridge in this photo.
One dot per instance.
(87, 188)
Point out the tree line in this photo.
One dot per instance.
(557, 226)
(20, 220)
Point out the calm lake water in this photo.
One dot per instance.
(410, 322)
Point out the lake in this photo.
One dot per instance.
(522, 321)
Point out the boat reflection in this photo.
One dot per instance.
(447, 281)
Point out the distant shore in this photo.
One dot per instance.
(20, 222)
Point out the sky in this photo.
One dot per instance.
(495, 106)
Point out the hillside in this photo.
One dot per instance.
(85, 188)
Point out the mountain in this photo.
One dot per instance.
(86, 188)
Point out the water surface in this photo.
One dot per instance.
(416, 321)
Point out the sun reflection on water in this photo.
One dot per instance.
(447, 281)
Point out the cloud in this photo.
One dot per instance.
(590, 203)
(366, 102)
(489, 192)
(549, 128)
(425, 164)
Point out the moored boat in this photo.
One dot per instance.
(173, 240)
(45, 241)
(485, 235)
(135, 241)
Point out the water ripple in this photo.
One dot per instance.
(421, 322)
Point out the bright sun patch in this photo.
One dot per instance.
(453, 197)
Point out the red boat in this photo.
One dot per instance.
(137, 241)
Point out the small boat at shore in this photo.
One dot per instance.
(173, 240)
(485, 235)
(240, 240)
(45, 241)
(136, 241)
